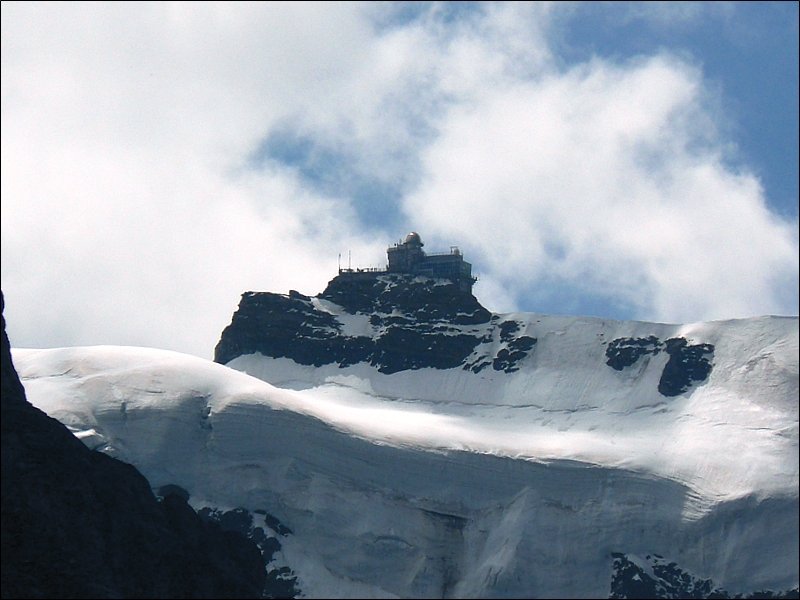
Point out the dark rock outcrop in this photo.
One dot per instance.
(421, 300)
(281, 326)
(656, 577)
(415, 323)
(281, 581)
(624, 352)
(80, 524)
(688, 363)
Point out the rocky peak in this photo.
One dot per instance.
(392, 321)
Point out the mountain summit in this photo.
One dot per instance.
(419, 313)
(416, 313)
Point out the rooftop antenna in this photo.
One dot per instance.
(349, 266)
(340, 262)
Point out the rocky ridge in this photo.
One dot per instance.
(399, 322)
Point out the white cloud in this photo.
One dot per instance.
(609, 178)
(127, 217)
(130, 215)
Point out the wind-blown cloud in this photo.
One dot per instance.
(160, 159)
(610, 177)
(127, 215)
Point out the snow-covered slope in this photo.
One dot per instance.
(565, 401)
(543, 473)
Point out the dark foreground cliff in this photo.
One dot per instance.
(79, 524)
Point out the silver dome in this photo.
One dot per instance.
(413, 238)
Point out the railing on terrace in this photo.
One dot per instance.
(365, 270)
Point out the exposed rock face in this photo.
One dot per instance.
(656, 577)
(264, 530)
(406, 322)
(421, 300)
(80, 524)
(687, 364)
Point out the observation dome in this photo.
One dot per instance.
(413, 238)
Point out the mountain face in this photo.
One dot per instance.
(392, 438)
(80, 524)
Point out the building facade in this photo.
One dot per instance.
(409, 257)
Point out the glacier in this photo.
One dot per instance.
(540, 477)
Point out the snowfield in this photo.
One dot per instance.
(451, 483)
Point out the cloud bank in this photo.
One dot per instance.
(158, 160)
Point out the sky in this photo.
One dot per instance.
(621, 160)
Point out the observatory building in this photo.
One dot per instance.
(409, 257)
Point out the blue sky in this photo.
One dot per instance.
(622, 160)
(747, 50)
